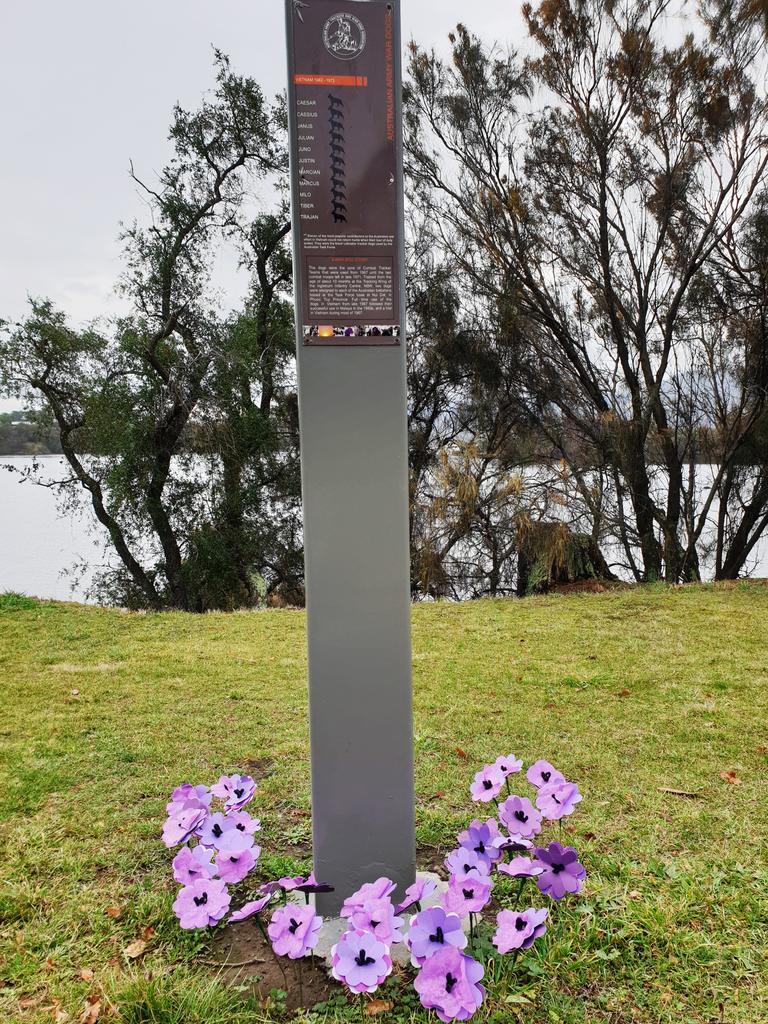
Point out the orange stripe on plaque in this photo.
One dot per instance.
(354, 81)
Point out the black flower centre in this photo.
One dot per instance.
(362, 960)
(200, 901)
(239, 793)
(450, 981)
(468, 893)
(438, 936)
(520, 923)
(480, 848)
(216, 830)
(546, 776)
(375, 924)
(521, 816)
(557, 868)
(234, 859)
(293, 927)
(487, 784)
(241, 827)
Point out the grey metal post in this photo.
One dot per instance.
(352, 410)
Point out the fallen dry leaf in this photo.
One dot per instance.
(114, 912)
(75, 693)
(730, 777)
(147, 932)
(462, 753)
(58, 1015)
(92, 1011)
(762, 749)
(624, 693)
(634, 895)
(135, 949)
(48, 966)
(85, 974)
(680, 792)
(378, 1006)
(27, 1002)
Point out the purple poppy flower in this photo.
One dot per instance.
(188, 795)
(234, 841)
(249, 909)
(561, 872)
(378, 917)
(360, 961)
(244, 822)
(416, 894)
(466, 862)
(214, 827)
(202, 903)
(520, 816)
(487, 784)
(179, 827)
(312, 885)
(269, 887)
(234, 866)
(449, 984)
(511, 844)
(430, 931)
(558, 799)
(294, 931)
(518, 930)
(191, 864)
(368, 891)
(542, 773)
(234, 790)
(508, 765)
(480, 837)
(289, 883)
(521, 867)
(467, 894)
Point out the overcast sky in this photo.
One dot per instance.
(87, 84)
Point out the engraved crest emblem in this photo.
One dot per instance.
(344, 36)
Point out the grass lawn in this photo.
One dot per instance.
(629, 693)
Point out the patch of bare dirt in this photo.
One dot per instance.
(431, 858)
(259, 768)
(244, 959)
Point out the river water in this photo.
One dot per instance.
(39, 548)
(37, 545)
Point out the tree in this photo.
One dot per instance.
(175, 419)
(593, 225)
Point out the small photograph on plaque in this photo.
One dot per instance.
(351, 334)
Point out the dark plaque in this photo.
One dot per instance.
(342, 76)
